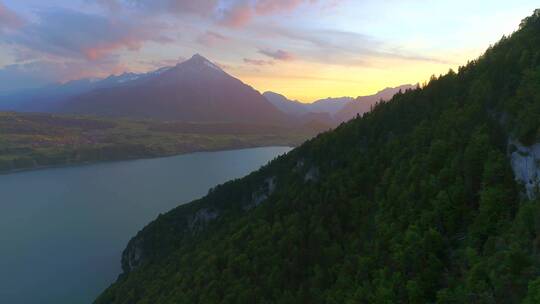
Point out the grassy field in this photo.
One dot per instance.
(39, 140)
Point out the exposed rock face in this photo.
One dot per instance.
(312, 175)
(187, 222)
(299, 164)
(133, 255)
(526, 166)
(270, 184)
(262, 194)
(201, 218)
(136, 252)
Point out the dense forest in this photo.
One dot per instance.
(415, 202)
(34, 140)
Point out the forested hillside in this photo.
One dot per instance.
(415, 202)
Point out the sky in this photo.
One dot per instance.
(304, 49)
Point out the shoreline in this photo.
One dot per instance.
(88, 163)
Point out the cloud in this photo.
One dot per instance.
(337, 47)
(210, 39)
(258, 62)
(326, 39)
(265, 7)
(237, 15)
(230, 13)
(62, 44)
(196, 7)
(277, 54)
(113, 6)
(73, 34)
(241, 12)
(9, 19)
(326, 45)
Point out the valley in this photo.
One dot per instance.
(160, 113)
(30, 141)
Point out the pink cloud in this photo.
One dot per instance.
(231, 13)
(258, 62)
(102, 49)
(278, 54)
(66, 33)
(237, 16)
(242, 12)
(210, 39)
(8, 18)
(265, 7)
(132, 41)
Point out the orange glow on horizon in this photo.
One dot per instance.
(309, 81)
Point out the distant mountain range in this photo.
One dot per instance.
(46, 98)
(192, 91)
(329, 105)
(364, 104)
(195, 90)
(336, 110)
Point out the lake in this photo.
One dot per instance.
(62, 230)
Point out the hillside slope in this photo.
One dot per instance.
(364, 104)
(415, 202)
(293, 107)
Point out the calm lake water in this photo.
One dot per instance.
(62, 230)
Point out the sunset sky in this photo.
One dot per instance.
(304, 49)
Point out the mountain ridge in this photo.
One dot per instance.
(195, 90)
(364, 104)
(339, 109)
(126, 94)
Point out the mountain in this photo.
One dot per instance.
(193, 91)
(40, 99)
(364, 104)
(292, 107)
(183, 93)
(301, 111)
(50, 97)
(333, 110)
(329, 105)
(432, 197)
